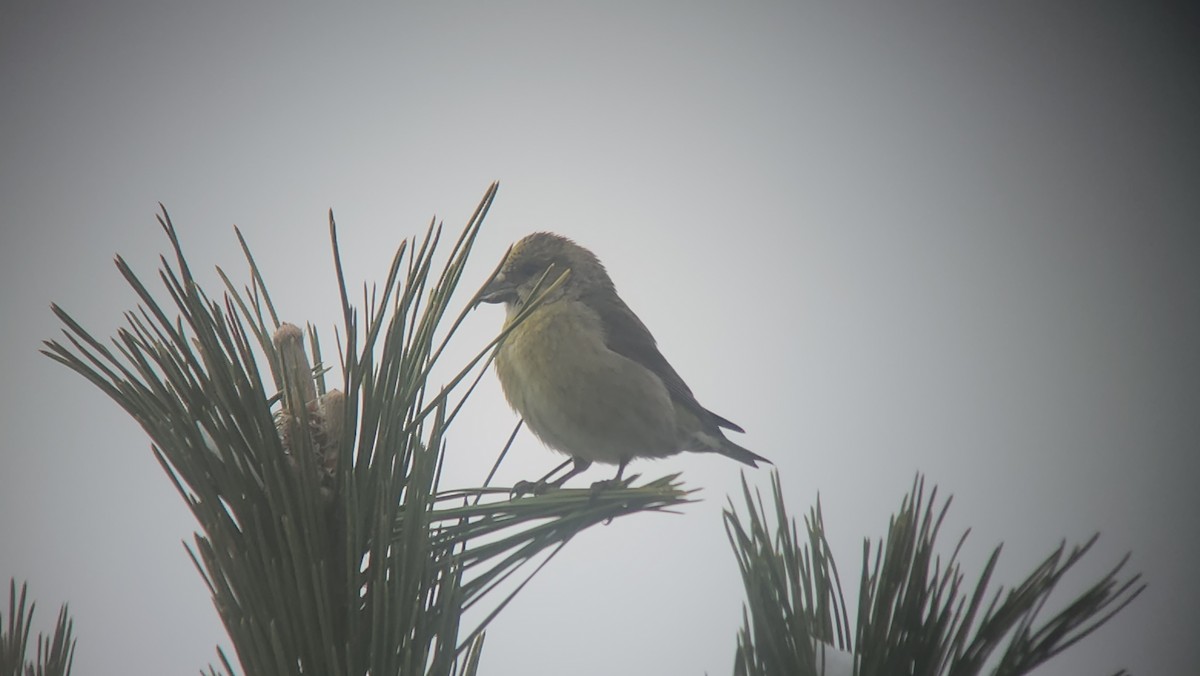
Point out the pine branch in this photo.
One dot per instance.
(794, 598)
(914, 614)
(55, 653)
(326, 542)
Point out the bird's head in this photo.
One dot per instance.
(536, 262)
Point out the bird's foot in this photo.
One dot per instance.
(610, 484)
(599, 487)
(523, 488)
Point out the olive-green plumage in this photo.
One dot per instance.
(583, 370)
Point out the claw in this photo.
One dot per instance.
(613, 483)
(523, 488)
(605, 484)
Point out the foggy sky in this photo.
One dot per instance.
(883, 239)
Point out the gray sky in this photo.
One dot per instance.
(959, 240)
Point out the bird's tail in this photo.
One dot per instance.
(744, 455)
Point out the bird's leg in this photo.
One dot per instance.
(544, 484)
(553, 472)
(614, 482)
(581, 465)
(536, 487)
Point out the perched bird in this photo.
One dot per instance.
(585, 373)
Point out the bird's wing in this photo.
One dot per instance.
(626, 335)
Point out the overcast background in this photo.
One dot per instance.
(956, 240)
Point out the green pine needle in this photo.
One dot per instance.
(55, 653)
(914, 614)
(325, 539)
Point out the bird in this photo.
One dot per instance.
(585, 373)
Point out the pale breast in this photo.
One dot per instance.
(578, 396)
